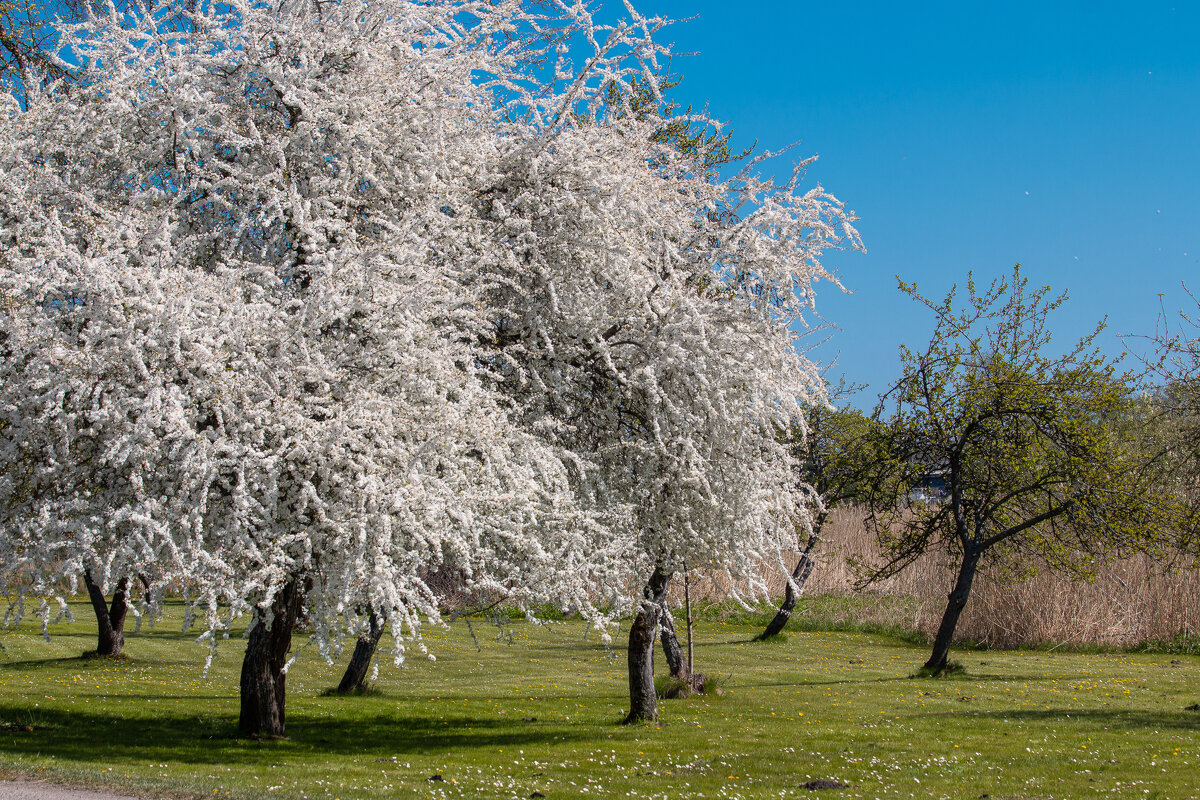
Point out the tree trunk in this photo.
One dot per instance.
(263, 678)
(670, 645)
(956, 600)
(355, 679)
(643, 702)
(687, 605)
(110, 620)
(804, 568)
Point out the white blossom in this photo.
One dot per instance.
(348, 293)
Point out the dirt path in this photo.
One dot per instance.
(36, 790)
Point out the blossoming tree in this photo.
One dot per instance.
(360, 290)
(643, 314)
(244, 229)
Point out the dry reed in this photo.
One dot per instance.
(1130, 601)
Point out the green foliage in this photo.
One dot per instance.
(27, 42)
(837, 449)
(1037, 462)
(1170, 423)
(1034, 466)
(680, 131)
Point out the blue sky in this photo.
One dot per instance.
(970, 136)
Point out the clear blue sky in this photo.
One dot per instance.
(969, 136)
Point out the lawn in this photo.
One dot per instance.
(535, 712)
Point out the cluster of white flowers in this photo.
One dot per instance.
(347, 293)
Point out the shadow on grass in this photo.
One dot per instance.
(1100, 717)
(792, 636)
(521, 699)
(124, 696)
(88, 736)
(908, 679)
(38, 663)
(85, 661)
(883, 640)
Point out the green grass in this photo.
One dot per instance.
(953, 669)
(540, 715)
(671, 688)
(1181, 645)
(825, 613)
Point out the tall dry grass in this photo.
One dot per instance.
(1131, 601)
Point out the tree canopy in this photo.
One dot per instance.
(1022, 434)
(302, 302)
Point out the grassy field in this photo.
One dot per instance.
(538, 717)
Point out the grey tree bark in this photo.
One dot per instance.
(263, 682)
(956, 601)
(804, 568)
(643, 701)
(355, 678)
(670, 644)
(687, 605)
(110, 619)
